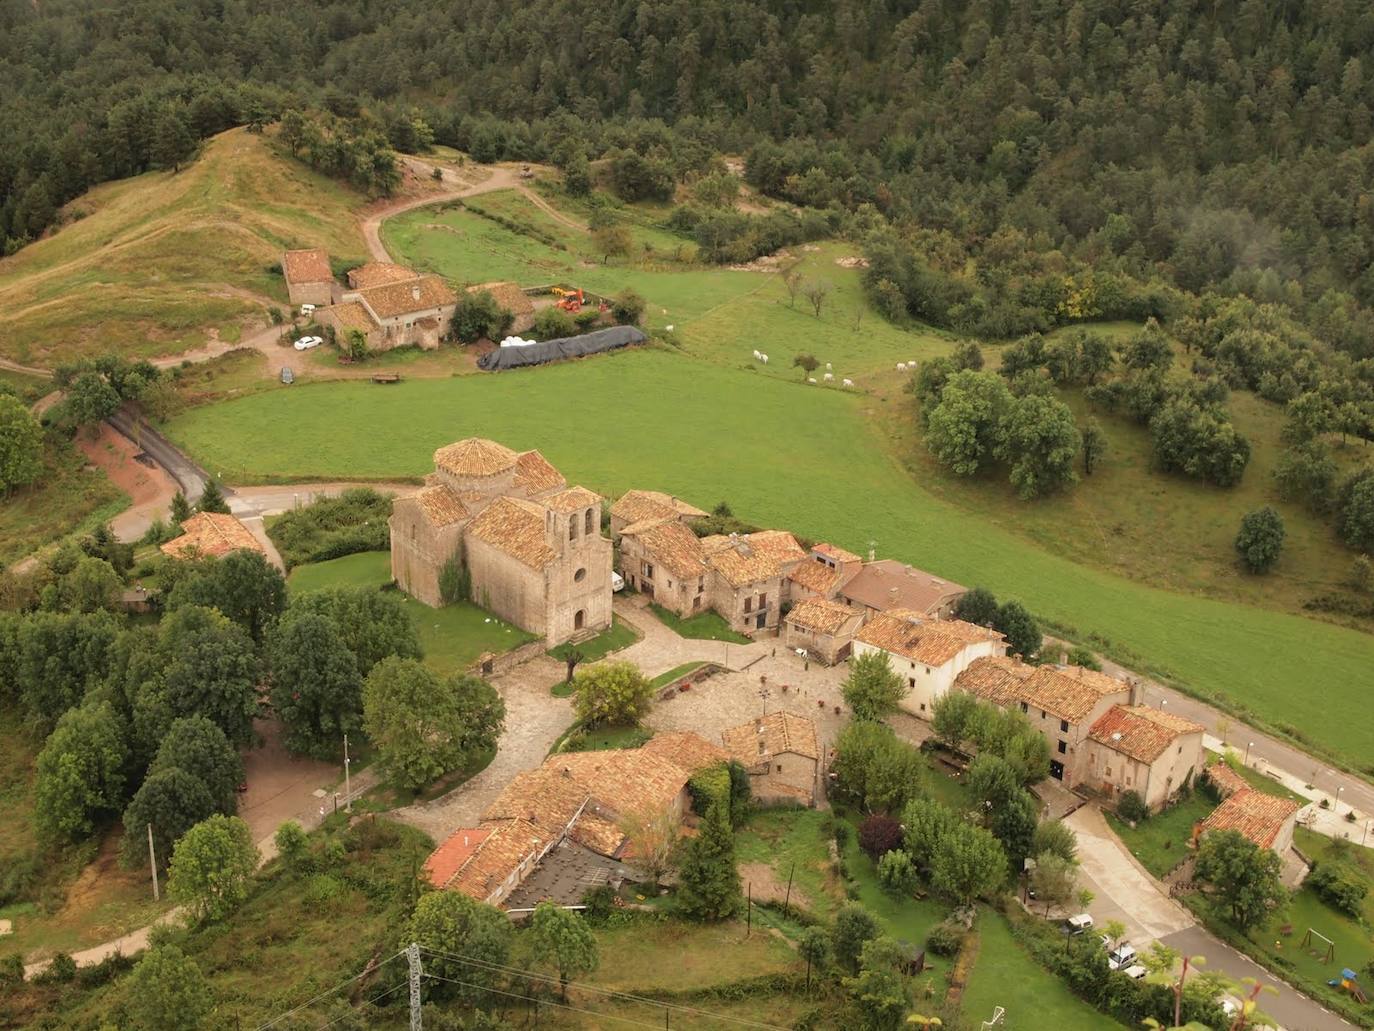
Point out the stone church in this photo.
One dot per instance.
(531, 545)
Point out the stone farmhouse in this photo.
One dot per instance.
(1148, 751)
(1265, 819)
(928, 653)
(571, 811)
(211, 535)
(823, 629)
(636, 506)
(390, 305)
(530, 544)
(781, 753)
(512, 299)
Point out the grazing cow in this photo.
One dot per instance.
(901, 366)
(829, 376)
(849, 382)
(757, 355)
(827, 366)
(763, 358)
(811, 379)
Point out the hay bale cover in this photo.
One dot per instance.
(609, 339)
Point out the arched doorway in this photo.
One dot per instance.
(579, 619)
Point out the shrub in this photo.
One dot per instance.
(628, 308)
(478, 315)
(61, 970)
(1260, 540)
(709, 786)
(944, 939)
(896, 872)
(879, 834)
(552, 323)
(354, 521)
(1131, 807)
(1339, 886)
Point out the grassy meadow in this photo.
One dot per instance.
(797, 457)
(69, 498)
(147, 265)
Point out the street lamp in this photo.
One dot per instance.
(1248, 746)
(348, 784)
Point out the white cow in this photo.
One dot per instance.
(829, 376)
(811, 379)
(827, 366)
(757, 354)
(763, 358)
(849, 382)
(901, 366)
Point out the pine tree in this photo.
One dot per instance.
(709, 888)
(181, 508)
(212, 500)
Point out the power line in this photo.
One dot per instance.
(596, 989)
(365, 971)
(369, 1002)
(542, 1002)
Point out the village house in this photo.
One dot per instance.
(638, 506)
(882, 585)
(530, 545)
(309, 278)
(1149, 751)
(1062, 702)
(1265, 819)
(663, 560)
(822, 577)
(580, 804)
(782, 755)
(751, 570)
(928, 654)
(212, 535)
(823, 629)
(512, 299)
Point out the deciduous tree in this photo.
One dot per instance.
(616, 693)
(167, 992)
(317, 690)
(450, 922)
(969, 863)
(172, 801)
(374, 624)
(854, 927)
(1260, 540)
(964, 428)
(872, 690)
(21, 445)
(242, 585)
(1245, 876)
(1040, 442)
(195, 744)
(879, 991)
(562, 939)
(80, 772)
(212, 867)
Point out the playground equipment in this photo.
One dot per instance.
(569, 300)
(998, 1017)
(1347, 981)
(1326, 956)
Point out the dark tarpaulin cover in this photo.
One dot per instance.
(608, 339)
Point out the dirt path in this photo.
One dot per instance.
(503, 177)
(150, 489)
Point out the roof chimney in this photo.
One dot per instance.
(415, 292)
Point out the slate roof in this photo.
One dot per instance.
(886, 584)
(516, 527)
(308, 266)
(636, 505)
(929, 642)
(671, 545)
(744, 559)
(440, 506)
(392, 299)
(379, 273)
(820, 616)
(1141, 732)
(212, 535)
(1256, 814)
(778, 732)
(534, 474)
(474, 456)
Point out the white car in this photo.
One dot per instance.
(1079, 924)
(1121, 956)
(617, 582)
(307, 309)
(1135, 971)
(306, 343)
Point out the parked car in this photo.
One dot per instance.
(617, 581)
(1135, 971)
(287, 376)
(1079, 924)
(1121, 956)
(307, 309)
(306, 343)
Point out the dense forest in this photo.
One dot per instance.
(1179, 146)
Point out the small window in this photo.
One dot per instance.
(779, 767)
(911, 681)
(1109, 771)
(763, 601)
(1063, 748)
(572, 529)
(927, 671)
(1064, 726)
(580, 575)
(1025, 707)
(587, 528)
(748, 604)
(1042, 714)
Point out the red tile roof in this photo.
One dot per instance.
(211, 535)
(1257, 815)
(820, 616)
(636, 505)
(448, 858)
(996, 678)
(309, 266)
(817, 577)
(779, 733)
(1071, 693)
(932, 642)
(440, 506)
(671, 545)
(886, 584)
(475, 456)
(379, 273)
(534, 474)
(1226, 780)
(836, 553)
(392, 299)
(516, 527)
(1141, 732)
(744, 559)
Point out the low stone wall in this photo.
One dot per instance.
(673, 688)
(508, 660)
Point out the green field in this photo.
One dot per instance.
(704, 626)
(834, 480)
(453, 637)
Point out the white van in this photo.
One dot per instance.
(1121, 956)
(617, 581)
(1079, 924)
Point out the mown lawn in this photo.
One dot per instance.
(599, 739)
(1161, 842)
(833, 481)
(1035, 999)
(704, 626)
(668, 676)
(453, 637)
(617, 636)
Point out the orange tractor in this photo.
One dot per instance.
(569, 300)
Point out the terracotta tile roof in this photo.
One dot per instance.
(379, 273)
(1141, 732)
(448, 858)
(546, 797)
(211, 535)
(817, 577)
(671, 545)
(636, 505)
(778, 733)
(507, 295)
(998, 679)
(836, 553)
(886, 584)
(534, 474)
(352, 315)
(930, 642)
(574, 499)
(1256, 814)
(819, 616)
(748, 558)
(516, 527)
(598, 832)
(475, 456)
(628, 781)
(685, 750)
(311, 266)
(1070, 693)
(509, 844)
(1226, 780)
(392, 299)
(440, 506)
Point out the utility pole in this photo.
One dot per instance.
(348, 783)
(413, 958)
(152, 863)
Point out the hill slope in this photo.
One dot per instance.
(151, 264)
